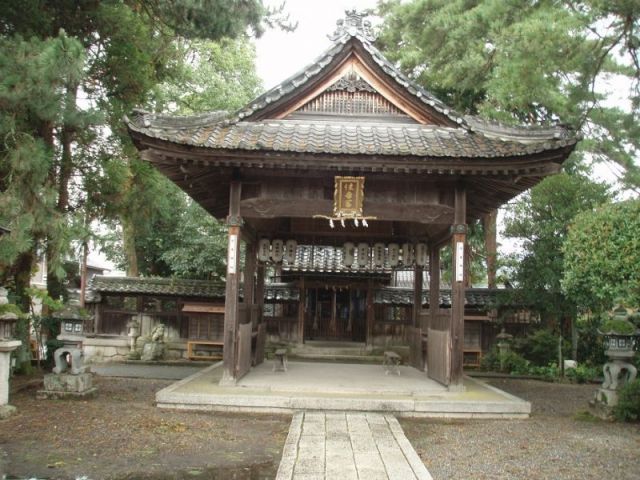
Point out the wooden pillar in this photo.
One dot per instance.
(234, 221)
(370, 314)
(249, 274)
(350, 311)
(417, 296)
(301, 304)
(259, 294)
(434, 284)
(458, 247)
(333, 325)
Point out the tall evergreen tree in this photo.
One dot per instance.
(529, 62)
(121, 50)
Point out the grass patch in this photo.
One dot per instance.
(586, 416)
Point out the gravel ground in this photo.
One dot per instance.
(555, 443)
(122, 435)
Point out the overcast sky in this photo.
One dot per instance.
(281, 54)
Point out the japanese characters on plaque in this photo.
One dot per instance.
(348, 197)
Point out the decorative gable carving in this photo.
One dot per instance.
(351, 82)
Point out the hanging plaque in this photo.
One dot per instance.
(459, 261)
(232, 254)
(348, 197)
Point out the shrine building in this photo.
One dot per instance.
(342, 180)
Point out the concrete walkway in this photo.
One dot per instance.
(348, 446)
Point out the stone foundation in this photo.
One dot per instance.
(65, 385)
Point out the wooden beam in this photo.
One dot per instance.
(304, 207)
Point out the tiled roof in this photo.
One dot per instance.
(474, 297)
(297, 136)
(157, 286)
(274, 292)
(473, 137)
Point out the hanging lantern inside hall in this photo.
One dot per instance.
(264, 247)
(290, 248)
(363, 254)
(394, 254)
(277, 250)
(408, 254)
(349, 254)
(378, 254)
(422, 254)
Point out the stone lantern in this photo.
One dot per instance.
(7, 345)
(620, 343)
(72, 321)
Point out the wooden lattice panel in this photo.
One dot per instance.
(351, 103)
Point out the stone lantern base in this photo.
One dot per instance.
(66, 385)
(70, 378)
(603, 402)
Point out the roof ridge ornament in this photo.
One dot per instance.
(352, 24)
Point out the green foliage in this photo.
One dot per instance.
(621, 327)
(508, 362)
(549, 373)
(61, 169)
(11, 308)
(212, 76)
(602, 253)
(583, 373)
(540, 347)
(540, 220)
(31, 97)
(527, 62)
(628, 408)
(590, 345)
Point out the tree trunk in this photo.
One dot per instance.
(66, 162)
(129, 245)
(574, 339)
(22, 278)
(83, 271)
(491, 245)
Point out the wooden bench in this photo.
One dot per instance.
(391, 362)
(280, 360)
(192, 344)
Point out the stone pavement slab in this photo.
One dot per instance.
(349, 446)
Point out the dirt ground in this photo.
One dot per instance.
(558, 442)
(122, 435)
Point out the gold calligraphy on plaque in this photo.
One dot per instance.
(348, 197)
